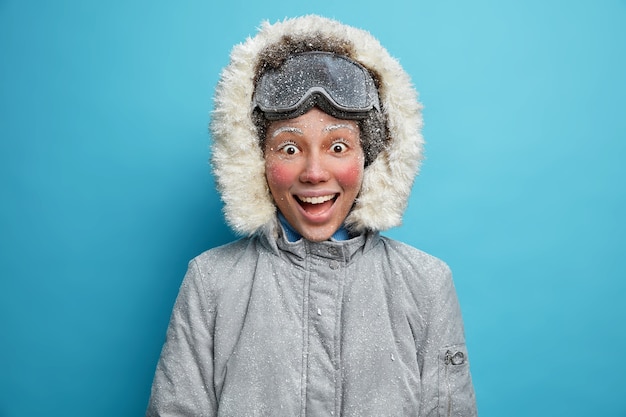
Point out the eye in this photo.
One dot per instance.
(339, 147)
(289, 149)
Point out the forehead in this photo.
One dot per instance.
(313, 120)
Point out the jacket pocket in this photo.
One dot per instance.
(456, 393)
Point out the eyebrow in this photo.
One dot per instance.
(290, 129)
(299, 131)
(339, 126)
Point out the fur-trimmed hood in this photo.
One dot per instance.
(237, 157)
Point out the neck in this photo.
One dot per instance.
(292, 234)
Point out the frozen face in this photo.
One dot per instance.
(314, 168)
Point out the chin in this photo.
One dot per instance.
(317, 235)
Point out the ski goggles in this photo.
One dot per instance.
(335, 83)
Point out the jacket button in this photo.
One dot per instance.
(334, 264)
(332, 250)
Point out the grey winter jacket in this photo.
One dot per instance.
(265, 327)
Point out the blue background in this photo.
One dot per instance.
(107, 193)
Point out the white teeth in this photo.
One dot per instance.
(317, 200)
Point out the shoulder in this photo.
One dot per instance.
(226, 263)
(232, 253)
(420, 275)
(404, 255)
(224, 253)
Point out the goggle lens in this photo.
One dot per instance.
(345, 84)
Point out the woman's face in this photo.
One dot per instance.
(314, 168)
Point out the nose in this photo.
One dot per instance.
(314, 170)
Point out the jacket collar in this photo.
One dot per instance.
(274, 238)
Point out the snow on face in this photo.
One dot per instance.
(314, 167)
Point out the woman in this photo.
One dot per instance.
(316, 143)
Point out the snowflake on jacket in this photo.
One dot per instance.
(316, 143)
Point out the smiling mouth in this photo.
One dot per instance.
(317, 205)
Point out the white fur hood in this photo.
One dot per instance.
(237, 158)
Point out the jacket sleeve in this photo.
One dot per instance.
(447, 388)
(183, 382)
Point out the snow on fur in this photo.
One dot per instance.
(237, 158)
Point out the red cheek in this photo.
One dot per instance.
(279, 174)
(349, 174)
